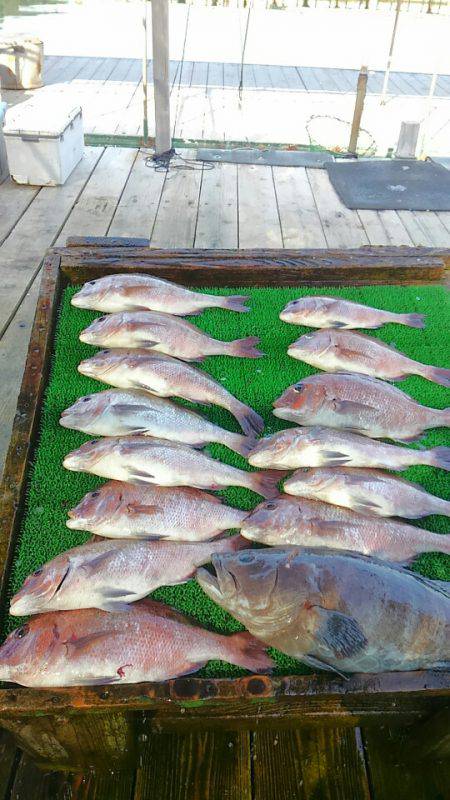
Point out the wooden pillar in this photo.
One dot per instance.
(359, 107)
(160, 37)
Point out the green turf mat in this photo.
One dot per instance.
(53, 490)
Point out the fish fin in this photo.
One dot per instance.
(113, 606)
(126, 408)
(194, 313)
(316, 663)
(335, 323)
(409, 439)
(100, 681)
(413, 320)
(148, 343)
(138, 508)
(244, 348)
(266, 483)
(340, 632)
(80, 645)
(365, 507)
(437, 375)
(334, 458)
(325, 526)
(249, 420)
(246, 651)
(440, 457)
(114, 592)
(91, 566)
(235, 302)
(139, 477)
(399, 378)
(350, 406)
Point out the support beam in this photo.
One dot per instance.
(160, 36)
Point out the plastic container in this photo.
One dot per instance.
(44, 143)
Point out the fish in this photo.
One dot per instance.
(347, 351)
(313, 523)
(111, 575)
(367, 491)
(163, 333)
(324, 447)
(137, 292)
(115, 412)
(167, 377)
(149, 642)
(143, 459)
(318, 311)
(358, 403)
(334, 610)
(120, 510)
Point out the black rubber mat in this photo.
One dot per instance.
(391, 184)
(272, 158)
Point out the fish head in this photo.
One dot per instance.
(84, 411)
(87, 455)
(98, 365)
(303, 397)
(96, 507)
(40, 587)
(306, 306)
(257, 586)
(101, 329)
(91, 293)
(313, 478)
(27, 648)
(270, 519)
(315, 342)
(273, 451)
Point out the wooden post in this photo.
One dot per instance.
(160, 38)
(145, 76)
(391, 52)
(407, 141)
(359, 107)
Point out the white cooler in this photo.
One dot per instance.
(44, 141)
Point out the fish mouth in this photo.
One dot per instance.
(218, 583)
(77, 300)
(24, 603)
(85, 367)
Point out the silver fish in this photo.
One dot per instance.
(347, 351)
(164, 333)
(360, 404)
(325, 447)
(110, 575)
(133, 292)
(167, 377)
(119, 413)
(334, 610)
(181, 513)
(368, 491)
(313, 523)
(319, 311)
(142, 459)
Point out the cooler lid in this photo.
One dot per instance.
(38, 117)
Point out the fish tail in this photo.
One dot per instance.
(441, 418)
(436, 374)
(248, 419)
(441, 506)
(243, 650)
(412, 320)
(438, 457)
(239, 443)
(235, 303)
(231, 544)
(266, 483)
(244, 348)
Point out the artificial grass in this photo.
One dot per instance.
(53, 490)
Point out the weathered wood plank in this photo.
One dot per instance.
(305, 763)
(9, 758)
(23, 250)
(217, 224)
(299, 218)
(14, 201)
(394, 775)
(13, 351)
(97, 204)
(259, 224)
(177, 214)
(204, 766)
(136, 211)
(342, 227)
(32, 783)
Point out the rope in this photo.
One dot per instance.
(164, 162)
(241, 80)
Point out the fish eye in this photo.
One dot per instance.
(103, 352)
(90, 283)
(21, 632)
(38, 571)
(298, 387)
(94, 441)
(100, 319)
(246, 558)
(95, 494)
(270, 506)
(85, 399)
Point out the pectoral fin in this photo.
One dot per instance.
(350, 407)
(339, 632)
(78, 646)
(136, 508)
(139, 477)
(334, 458)
(316, 663)
(94, 563)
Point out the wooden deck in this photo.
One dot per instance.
(281, 104)
(112, 192)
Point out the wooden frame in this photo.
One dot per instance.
(77, 727)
